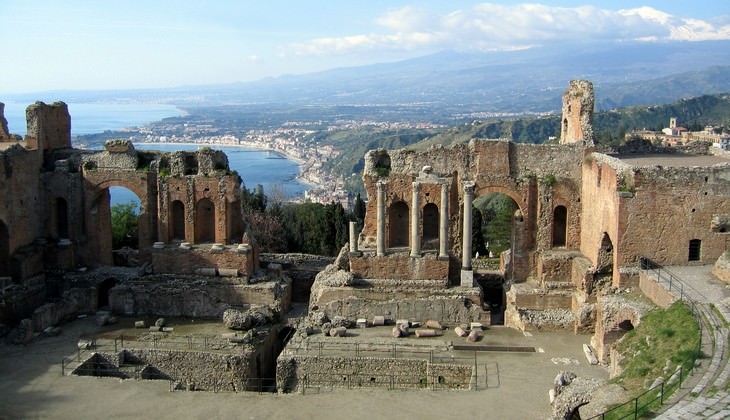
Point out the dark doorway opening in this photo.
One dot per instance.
(102, 297)
(560, 226)
(178, 220)
(204, 221)
(430, 225)
(4, 250)
(398, 225)
(61, 224)
(695, 250)
(492, 286)
(605, 255)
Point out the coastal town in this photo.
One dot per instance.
(295, 140)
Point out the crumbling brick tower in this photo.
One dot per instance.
(577, 124)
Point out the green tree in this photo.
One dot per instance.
(477, 238)
(358, 212)
(124, 225)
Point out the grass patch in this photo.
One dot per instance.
(663, 335)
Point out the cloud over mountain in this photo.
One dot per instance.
(490, 26)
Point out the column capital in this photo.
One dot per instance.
(416, 186)
(380, 185)
(469, 187)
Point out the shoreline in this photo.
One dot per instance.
(254, 147)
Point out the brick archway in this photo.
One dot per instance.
(98, 211)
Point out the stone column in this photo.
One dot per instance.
(380, 239)
(353, 237)
(415, 220)
(444, 221)
(467, 275)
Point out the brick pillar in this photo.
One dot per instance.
(416, 220)
(444, 221)
(380, 239)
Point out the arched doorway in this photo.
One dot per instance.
(204, 221)
(4, 250)
(60, 215)
(398, 224)
(430, 225)
(560, 226)
(177, 220)
(497, 211)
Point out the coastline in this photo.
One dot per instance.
(252, 146)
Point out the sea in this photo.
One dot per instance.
(273, 171)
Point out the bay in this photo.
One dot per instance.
(274, 172)
(96, 118)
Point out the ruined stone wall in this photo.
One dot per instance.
(399, 266)
(205, 371)
(176, 260)
(578, 102)
(298, 370)
(656, 292)
(600, 206)
(21, 208)
(722, 268)
(670, 207)
(49, 126)
(194, 296)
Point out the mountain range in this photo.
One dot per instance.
(459, 83)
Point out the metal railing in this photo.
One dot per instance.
(644, 404)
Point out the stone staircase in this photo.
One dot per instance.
(706, 394)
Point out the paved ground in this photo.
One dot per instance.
(31, 386)
(708, 396)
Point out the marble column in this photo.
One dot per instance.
(444, 221)
(353, 237)
(466, 239)
(416, 220)
(380, 239)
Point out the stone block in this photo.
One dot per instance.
(378, 321)
(467, 278)
(425, 333)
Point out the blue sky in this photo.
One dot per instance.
(76, 44)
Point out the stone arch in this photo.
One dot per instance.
(398, 225)
(97, 215)
(204, 221)
(430, 223)
(4, 250)
(605, 255)
(177, 220)
(60, 218)
(560, 226)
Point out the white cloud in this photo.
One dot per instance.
(490, 26)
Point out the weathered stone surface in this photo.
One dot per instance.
(425, 333)
(460, 332)
(432, 323)
(572, 395)
(338, 332)
(474, 336)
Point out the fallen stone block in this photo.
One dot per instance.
(161, 322)
(474, 336)
(460, 332)
(404, 329)
(140, 324)
(432, 323)
(84, 344)
(167, 329)
(228, 272)
(155, 328)
(396, 332)
(378, 321)
(361, 323)
(425, 333)
(590, 355)
(338, 332)
(402, 321)
(476, 326)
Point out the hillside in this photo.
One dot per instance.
(609, 126)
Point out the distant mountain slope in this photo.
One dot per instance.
(449, 84)
(609, 126)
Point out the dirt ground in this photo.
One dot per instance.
(31, 386)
